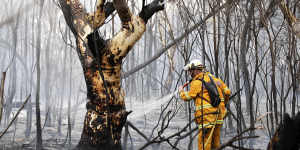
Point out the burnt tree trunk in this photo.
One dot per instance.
(101, 62)
(39, 137)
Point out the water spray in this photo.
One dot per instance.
(142, 109)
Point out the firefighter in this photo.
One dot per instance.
(208, 118)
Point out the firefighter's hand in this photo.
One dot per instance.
(180, 89)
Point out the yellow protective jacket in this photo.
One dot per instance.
(212, 115)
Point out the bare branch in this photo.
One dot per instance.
(122, 10)
(149, 10)
(238, 138)
(138, 131)
(2, 94)
(15, 117)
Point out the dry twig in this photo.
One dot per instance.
(15, 117)
(238, 138)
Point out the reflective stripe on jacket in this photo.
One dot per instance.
(202, 101)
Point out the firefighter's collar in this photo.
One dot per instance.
(201, 75)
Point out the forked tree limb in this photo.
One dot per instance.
(238, 138)
(131, 30)
(146, 13)
(82, 23)
(97, 18)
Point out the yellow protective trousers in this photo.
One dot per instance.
(211, 138)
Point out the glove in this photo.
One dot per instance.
(180, 89)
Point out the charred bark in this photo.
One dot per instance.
(287, 134)
(101, 62)
(149, 10)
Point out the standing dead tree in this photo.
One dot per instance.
(2, 94)
(101, 62)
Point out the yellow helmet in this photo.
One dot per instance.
(194, 64)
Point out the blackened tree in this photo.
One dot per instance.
(101, 62)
